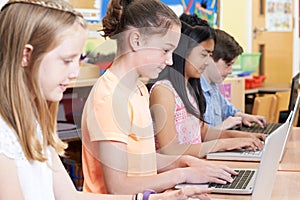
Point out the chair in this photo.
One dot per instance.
(266, 106)
(283, 99)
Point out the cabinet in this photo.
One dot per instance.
(233, 88)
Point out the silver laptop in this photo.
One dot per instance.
(291, 124)
(258, 182)
(248, 155)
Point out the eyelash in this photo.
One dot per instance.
(68, 61)
(207, 54)
(71, 60)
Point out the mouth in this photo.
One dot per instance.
(201, 69)
(160, 68)
(63, 87)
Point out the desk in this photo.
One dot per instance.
(291, 157)
(250, 94)
(269, 88)
(287, 181)
(82, 83)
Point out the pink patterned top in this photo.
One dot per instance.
(188, 126)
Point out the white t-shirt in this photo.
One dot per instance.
(35, 177)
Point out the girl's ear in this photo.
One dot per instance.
(27, 51)
(135, 40)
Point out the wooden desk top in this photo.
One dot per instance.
(269, 88)
(291, 157)
(82, 83)
(236, 164)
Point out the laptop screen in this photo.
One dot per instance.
(294, 92)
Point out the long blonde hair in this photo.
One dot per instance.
(22, 105)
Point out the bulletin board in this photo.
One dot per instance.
(204, 9)
(94, 10)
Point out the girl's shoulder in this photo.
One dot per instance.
(9, 143)
(164, 83)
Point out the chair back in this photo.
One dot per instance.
(266, 106)
(283, 99)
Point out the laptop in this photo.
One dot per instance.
(258, 182)
(294, 91)
(255, 128)
(249, 155)
(295, 110)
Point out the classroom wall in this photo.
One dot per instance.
(2, 2)
(233, 19)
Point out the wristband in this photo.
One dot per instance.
(147, 193)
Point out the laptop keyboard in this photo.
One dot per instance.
(252, 153)
(240, 181)
(255, 128)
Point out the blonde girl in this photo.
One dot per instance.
(41, 42)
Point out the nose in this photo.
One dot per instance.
(74, 72)
(169, 60)
(229, 70)
(207, 60)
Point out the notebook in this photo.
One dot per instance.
(248, 155)
(255, 128)
(258, 182)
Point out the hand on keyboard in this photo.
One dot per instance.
(248, 119)
(255, 128)
(240, 181)
(252, 143)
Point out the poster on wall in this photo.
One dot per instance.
(279, 15)
(205, 9)
(208, 10)
(176, 5)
